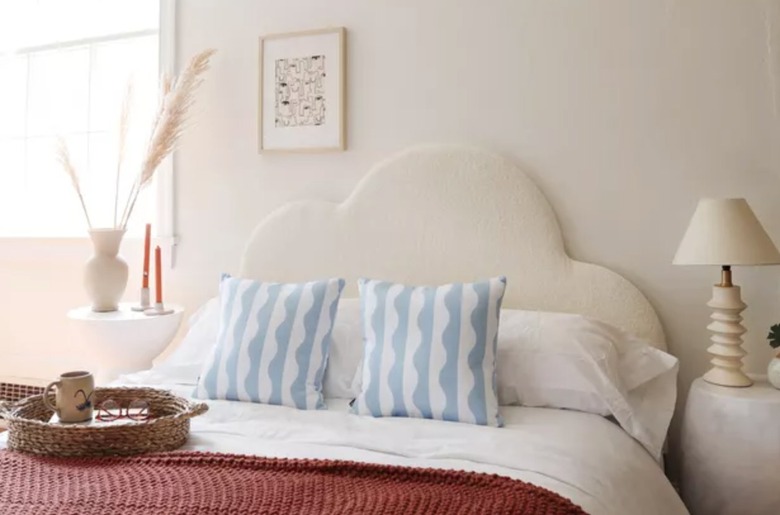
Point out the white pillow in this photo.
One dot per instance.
(184, 364)
(346, 351)
(572, 361)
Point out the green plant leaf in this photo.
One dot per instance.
(774, 336)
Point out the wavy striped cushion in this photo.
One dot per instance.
(273, 342)
(430, 351)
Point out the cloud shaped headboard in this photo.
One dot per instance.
(439, 214)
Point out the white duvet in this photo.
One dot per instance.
(581, 456)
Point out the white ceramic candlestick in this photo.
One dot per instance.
(727, 330)
(158, 309)
(145, 283)
(144, 301)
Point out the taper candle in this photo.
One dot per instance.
(147, 242)
(158, 275)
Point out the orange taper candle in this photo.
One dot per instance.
(147, 242)
(158, 275)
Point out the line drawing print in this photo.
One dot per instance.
(300, 91)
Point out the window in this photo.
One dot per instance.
(64, 72)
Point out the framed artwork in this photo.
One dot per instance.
(302, 104)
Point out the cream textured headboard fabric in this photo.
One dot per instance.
(439, 214)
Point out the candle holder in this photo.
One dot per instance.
(157, 310)
(144, 301)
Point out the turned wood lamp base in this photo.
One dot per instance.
(727, 330)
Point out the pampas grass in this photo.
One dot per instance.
(177, 96)
(124, 118)
(63, 155)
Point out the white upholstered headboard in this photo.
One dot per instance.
(440, 214)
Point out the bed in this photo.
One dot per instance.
(432, 215)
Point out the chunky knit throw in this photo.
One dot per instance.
(200, 483)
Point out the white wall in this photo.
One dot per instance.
(624, 112)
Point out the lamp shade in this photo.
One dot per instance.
(725, 232)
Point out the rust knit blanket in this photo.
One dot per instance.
(200, 483)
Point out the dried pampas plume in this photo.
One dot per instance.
(63, 156)
(177, 99)
(124, 124)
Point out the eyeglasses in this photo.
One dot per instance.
(110, 410)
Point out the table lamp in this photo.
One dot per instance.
(725, 232)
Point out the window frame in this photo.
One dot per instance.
(166, 174)
(164, 216)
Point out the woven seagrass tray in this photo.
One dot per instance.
(168, 428)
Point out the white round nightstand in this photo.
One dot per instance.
(731, 449)
(125, 340)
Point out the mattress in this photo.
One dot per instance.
(581, 456)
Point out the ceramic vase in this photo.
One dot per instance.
(773, 372)
(105, 274)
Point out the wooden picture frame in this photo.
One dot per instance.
(302, 91)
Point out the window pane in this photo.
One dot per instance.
(113, 65)
(100, 179)
(11, 183)
(100, 183)
(144, 211)
(68, 79)
(58, 92)
(53, 206)
(30, 23)
(13, 78)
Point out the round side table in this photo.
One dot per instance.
(123, 341)
(731, 449)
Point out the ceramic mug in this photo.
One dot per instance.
(73, 401)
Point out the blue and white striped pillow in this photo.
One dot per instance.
(430, 352)
(273, 342)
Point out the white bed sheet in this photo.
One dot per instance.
(581, 456)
